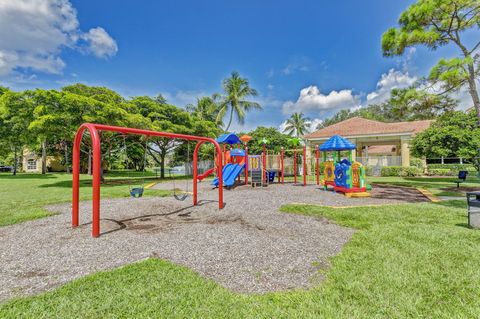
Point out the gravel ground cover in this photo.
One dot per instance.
(248, 246)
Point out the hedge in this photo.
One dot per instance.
(401, 171)
(440, 172)
(453, 167)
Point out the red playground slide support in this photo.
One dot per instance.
(205, 174)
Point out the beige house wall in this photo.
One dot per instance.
(32, 163)
(401, 140)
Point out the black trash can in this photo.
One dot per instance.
(473, 201)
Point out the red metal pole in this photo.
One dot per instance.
(264, 163)
(76, 175)
(295, 166)
(195, 172)
(246, 165)
(278, 164)
(304, 165)
(317, 164)
(282, 164)
(97, 167)
(96, 143)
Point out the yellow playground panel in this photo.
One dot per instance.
(328, 172)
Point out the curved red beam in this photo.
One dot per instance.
(94, 130)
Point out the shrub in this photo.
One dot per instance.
(453, 167)
(411, 171)
(391, 170)
(401, 171)
(440, 172)
(417, 163)
(368, 170)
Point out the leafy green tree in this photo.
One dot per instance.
(276, 140)
(98, 93)
(3, 90)
(454, 134)
(15, 117)
(234, 102)
(206, 108)
(436, 23)
(411, 104)
(164, 118)
(297, 125)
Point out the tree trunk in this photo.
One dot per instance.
(472, 89)
(44, 157)
(162, 164)
(67, 167)
(15, 161)
(231, 118)
(89, 165)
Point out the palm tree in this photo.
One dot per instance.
(297, 124)
(236, 90)
(207, 108)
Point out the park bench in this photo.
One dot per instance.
(462, 176)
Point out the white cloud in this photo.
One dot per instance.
(312, 100)
(100, 43)
(464, 98)
(394, 79)
(298, 63)
(314, 123)
(182, 98)
(34, 32)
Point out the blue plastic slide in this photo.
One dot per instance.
(230, 173)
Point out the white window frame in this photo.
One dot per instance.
(31, 164)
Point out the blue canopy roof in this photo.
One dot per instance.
(229, 138)
(337, 143)
(237, 152)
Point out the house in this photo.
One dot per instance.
(32, 163)
(378, 143)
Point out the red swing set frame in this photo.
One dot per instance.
(94, 130)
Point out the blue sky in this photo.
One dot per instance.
(311, 56)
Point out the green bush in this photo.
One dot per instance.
(391, 170)
(401, 171)
(417, 163)
(411, 171)
(368, 170)
(453, 167)
(440, 172)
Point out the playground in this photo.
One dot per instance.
(248, 246)
(254, 225)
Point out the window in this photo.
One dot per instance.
(31, 164)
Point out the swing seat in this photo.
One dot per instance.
(181, 197)
(136, 192)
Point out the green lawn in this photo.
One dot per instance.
(24, 196)
(405, 261)
(440, 186)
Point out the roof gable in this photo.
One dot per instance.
(358, 126)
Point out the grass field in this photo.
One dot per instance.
(24, 196)
(405, 261)
(440, 186)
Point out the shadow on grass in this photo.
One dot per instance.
(452, 203)
(464, 225)
(111, 182)
(26, 176)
